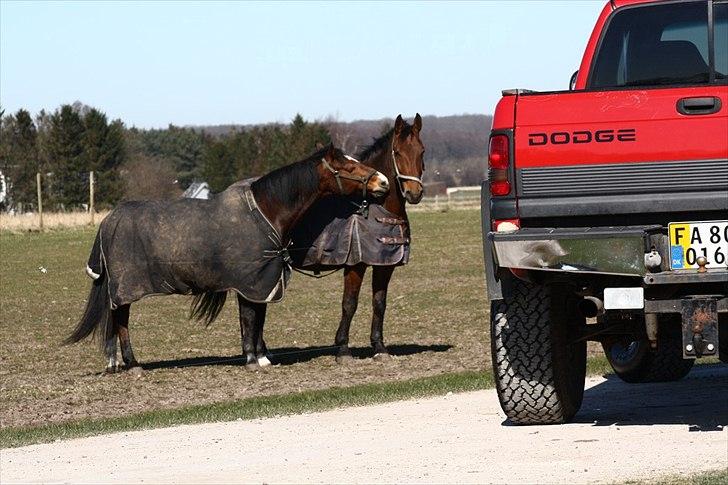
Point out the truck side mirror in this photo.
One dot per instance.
(572, 82)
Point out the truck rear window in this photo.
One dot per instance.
(655, 45)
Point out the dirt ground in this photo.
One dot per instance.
(435, 323)
(623, 432)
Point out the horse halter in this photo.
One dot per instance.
(346, 175)
(401, 177)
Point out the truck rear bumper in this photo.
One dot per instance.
(638, 251)
(604, 250)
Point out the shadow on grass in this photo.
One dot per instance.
(293, 355)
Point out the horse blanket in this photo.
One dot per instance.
(191, 246)
(336, 232)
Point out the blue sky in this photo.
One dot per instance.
(162, 62)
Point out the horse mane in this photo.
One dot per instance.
(290, 183)
(382, 143)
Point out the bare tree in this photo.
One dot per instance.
(148, 178)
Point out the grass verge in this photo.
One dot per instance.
(713, 477)
(251, 408)
(267, 406)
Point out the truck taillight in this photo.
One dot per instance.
(498, 161)
(506, 225)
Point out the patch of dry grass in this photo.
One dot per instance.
(52, 220)
(436, 323)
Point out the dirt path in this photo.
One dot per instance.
(622, 432)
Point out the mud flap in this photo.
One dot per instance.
(699, 327)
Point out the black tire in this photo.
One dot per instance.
(539, 373)
(723, 338)
(633, 361)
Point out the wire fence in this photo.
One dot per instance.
(456, 198)
(18, 221)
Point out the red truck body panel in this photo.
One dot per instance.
(661, 133)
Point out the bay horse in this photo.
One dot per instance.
(336, 235)
(399, 155)
(235, 241)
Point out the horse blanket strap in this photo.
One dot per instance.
(395, 221)
(192, 246)
(393, 240)
(334, 233)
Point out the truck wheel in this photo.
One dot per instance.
(539, 371)
(723, 338)
(634, 361)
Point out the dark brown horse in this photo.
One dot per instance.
(399, 155)
(235, 241)
(336, 235)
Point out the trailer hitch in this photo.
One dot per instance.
(699, 326)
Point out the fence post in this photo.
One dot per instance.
(91, 195)
(40, 201)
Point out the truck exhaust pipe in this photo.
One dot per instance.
(590, 307)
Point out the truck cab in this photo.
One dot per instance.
(605, 213)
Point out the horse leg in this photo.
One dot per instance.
(380, 282)
(261, 350)
(353, 277)
(110, 346)
(249, 319)
(120, 318)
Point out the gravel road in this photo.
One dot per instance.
(622, 432)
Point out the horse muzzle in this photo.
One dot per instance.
(413, 196)
(378, 185)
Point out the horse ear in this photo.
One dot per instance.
(330, 152)
(418, 123)
(398, 124)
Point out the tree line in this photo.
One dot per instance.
(131, 163)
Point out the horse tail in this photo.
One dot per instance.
(207, 306)
(97, 314)
(95, 265)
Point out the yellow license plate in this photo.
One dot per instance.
(691, 240)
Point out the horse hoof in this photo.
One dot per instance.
(264, 361)
(344, 359)
(111, 370)
(136, 371)
(252, 366)
(382, 357)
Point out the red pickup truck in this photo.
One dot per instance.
(605, 212)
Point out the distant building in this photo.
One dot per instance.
(197, 190)
(3, 191)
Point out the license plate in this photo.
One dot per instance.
(690, 240)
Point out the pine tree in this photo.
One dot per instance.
(219, 165)
(103, 153)
(69, 182)
(20, 162)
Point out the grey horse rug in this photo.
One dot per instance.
(191, 246)
(336, 232)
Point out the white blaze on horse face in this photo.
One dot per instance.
(382, 179)
(351, 159)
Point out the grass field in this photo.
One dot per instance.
(436, 323)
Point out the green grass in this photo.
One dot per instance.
(267, 406)
(436, 323)
(251, 408)
(713, 477)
